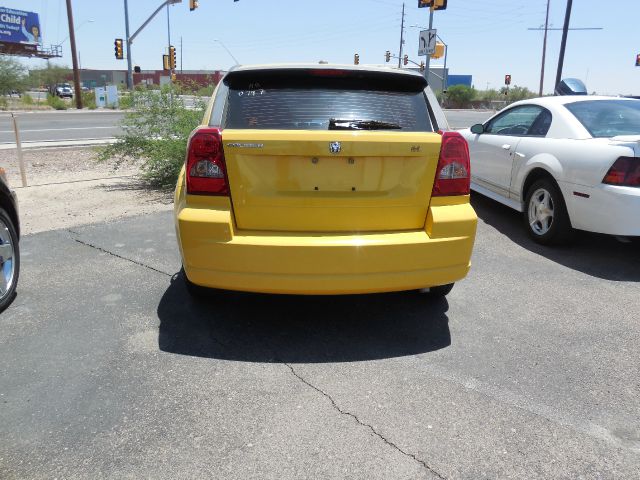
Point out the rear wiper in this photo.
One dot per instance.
(338, 124)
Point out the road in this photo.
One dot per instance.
(72, 125)
(529, 369)
(60, 126)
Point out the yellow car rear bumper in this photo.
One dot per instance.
(216, 255)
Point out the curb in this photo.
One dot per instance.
(59, 143)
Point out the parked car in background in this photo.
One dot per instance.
(566, 162)
(62, 90)
(320, 179)
(9, 248)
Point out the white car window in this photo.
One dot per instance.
(516, 121)
(608, 118)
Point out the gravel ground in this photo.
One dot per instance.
(68, 187)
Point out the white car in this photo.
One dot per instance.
(566, 162)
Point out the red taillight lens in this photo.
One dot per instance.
(453, 174)
(624, 172)
(206, 170)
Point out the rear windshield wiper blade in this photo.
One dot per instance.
(338, 124)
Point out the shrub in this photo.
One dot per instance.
(126, 100)
(460, 96)
(4, 104)
(205, 91)
(26, 99)
(156, 133)
(89, 99)
(56, 102)
(517, 93)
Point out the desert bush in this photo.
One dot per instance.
(89, 99)
(155, 132)
(460, 96)
(56, 102)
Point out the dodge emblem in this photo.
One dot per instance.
(335, 147)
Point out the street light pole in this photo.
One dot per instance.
(74, 57)
(401, 39)
(428, 59)
(126, 25)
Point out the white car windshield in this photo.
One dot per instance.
(608, 118)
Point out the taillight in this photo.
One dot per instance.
(206, 170)
(625, 171)
(453, 175)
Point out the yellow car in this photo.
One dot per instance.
(324, 179)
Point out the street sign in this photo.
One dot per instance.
(427, 45)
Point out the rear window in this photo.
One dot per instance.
(309, 100)
(608, 118)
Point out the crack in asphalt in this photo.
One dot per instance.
(100, 249)
(366, 425)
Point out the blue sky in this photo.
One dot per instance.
(486, 39)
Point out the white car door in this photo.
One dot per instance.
(492, 152)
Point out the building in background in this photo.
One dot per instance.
(101, 78)
(437, 75)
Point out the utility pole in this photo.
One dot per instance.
(427, 62)
(181, 54)
(74, 57)
(126, 24)
(401, 39)
(544, 49)
(563, 45)
(169, 44)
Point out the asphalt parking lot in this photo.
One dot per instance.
(529, 369)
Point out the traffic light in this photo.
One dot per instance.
(387, 56)
(137, 69)
(193, 4)
(439, 51)
(172, 57)
(422, 66)
(405, 60)
(356, 59)
(638, 60)
(173, 77)
(436, 4)
(165, 62)
(507, 79)
(118, 48)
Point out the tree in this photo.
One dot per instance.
(516, 93)
(49, 75)
(460, 96)
(12, 75)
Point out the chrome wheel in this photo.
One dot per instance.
(7, 262)
(541, 211)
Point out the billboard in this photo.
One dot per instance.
(18, 26)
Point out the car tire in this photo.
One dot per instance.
(545, 214)
(9, 268)
(440, 291)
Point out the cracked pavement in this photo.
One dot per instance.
(529, 369)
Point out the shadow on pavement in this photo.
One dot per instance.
(601, 256)
(300, 329)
